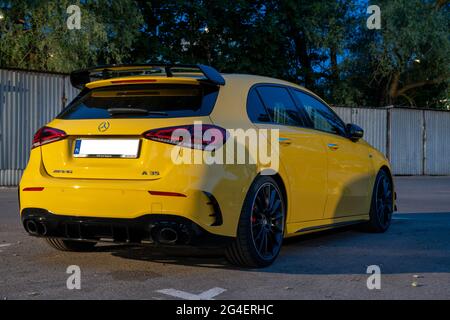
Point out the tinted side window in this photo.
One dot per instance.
(321, 116)
(255, 109)
(280, 105)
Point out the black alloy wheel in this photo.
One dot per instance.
(261, 225)
(382, 203)
(267, 221)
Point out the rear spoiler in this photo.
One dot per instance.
(82, 77)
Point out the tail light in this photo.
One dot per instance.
(47, 135)
(195, 136)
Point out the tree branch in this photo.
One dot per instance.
(441, 3)
(420, 84)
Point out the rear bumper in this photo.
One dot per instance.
(211, 196)
(151, 229)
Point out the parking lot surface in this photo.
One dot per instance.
(413, 256)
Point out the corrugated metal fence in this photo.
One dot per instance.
(416, 141)
(28, 100)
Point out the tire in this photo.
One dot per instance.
(382, 205)
(261, 226)
(69, 245)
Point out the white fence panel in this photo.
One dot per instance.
(344, 113)
(437, 143)
(406, 141)
(28, 100)
(374, 123)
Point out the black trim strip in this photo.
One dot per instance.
(80, 78)
(217, 213)
(333, 225)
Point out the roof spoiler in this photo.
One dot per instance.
(80, 78)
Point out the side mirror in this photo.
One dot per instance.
(354, 132)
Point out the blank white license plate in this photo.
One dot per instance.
(106, 148)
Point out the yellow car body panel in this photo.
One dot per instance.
(349, 177)
(323, 186)
(128, 199)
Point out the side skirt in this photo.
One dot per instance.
(294, 229)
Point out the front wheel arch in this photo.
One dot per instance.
(388, 171)
(391, 178)
(381, 208)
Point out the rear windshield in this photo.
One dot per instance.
(143, 101)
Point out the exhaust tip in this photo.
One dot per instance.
(168, 236)
(42, 229)
(36, 229)
(31, 227)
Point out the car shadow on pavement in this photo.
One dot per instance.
(177, 256)
(211, 258)
(416, 243)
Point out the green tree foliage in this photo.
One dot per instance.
(408, 60)
(321, 44)
(34, 34)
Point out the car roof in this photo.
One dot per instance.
(249, 80)
(240, 80)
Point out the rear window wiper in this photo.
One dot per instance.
(114, 111)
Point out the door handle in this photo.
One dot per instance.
(333, 146)
(285, 141)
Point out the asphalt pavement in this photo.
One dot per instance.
(413, 257)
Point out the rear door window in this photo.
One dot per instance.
(280, 106)
(143, 101)
(255, 108)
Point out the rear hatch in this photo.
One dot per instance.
(102, 131)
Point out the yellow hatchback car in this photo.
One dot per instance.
(109, 168)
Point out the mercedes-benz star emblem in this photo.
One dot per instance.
(103, 126)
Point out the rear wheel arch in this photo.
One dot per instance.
(245, 250)
(283, 190)
(281, 184)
